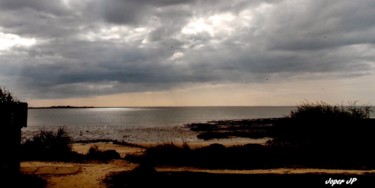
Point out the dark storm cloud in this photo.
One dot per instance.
(90, 48)
(130, 11)
(45, 6)
(42, 19)
(324, 24)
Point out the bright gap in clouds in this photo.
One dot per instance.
(213, 25)
(8, 41)
(116, 33)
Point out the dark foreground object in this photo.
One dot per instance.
(13, 116)
(194, 180)
(23, 180)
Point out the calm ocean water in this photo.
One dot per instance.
(147, 117)
(157, 124)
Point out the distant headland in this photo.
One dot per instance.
(68, 106)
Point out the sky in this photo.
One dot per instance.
(187, 52)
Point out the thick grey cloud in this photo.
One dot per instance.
(45, 6)
(91, 48)
(133, 12)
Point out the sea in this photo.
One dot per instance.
(143, 124)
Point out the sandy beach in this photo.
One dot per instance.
(92, 173)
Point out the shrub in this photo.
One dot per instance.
(321, 125)
(6, 97)
(95, 154)
(324, 111)
(48, 145)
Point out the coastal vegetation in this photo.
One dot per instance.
(95, 153)
(49, 146)
(6, 97)
(315, 135)
(57, 146)
(10, 132)
(323, 125)
(306, 117)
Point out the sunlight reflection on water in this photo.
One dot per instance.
(154, 124)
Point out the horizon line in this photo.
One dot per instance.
(71, 106)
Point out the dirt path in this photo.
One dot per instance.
(269, 171)
(91, 174)
(75, 174)
(85, 175)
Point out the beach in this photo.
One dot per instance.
(92, 173)
(260, 150)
